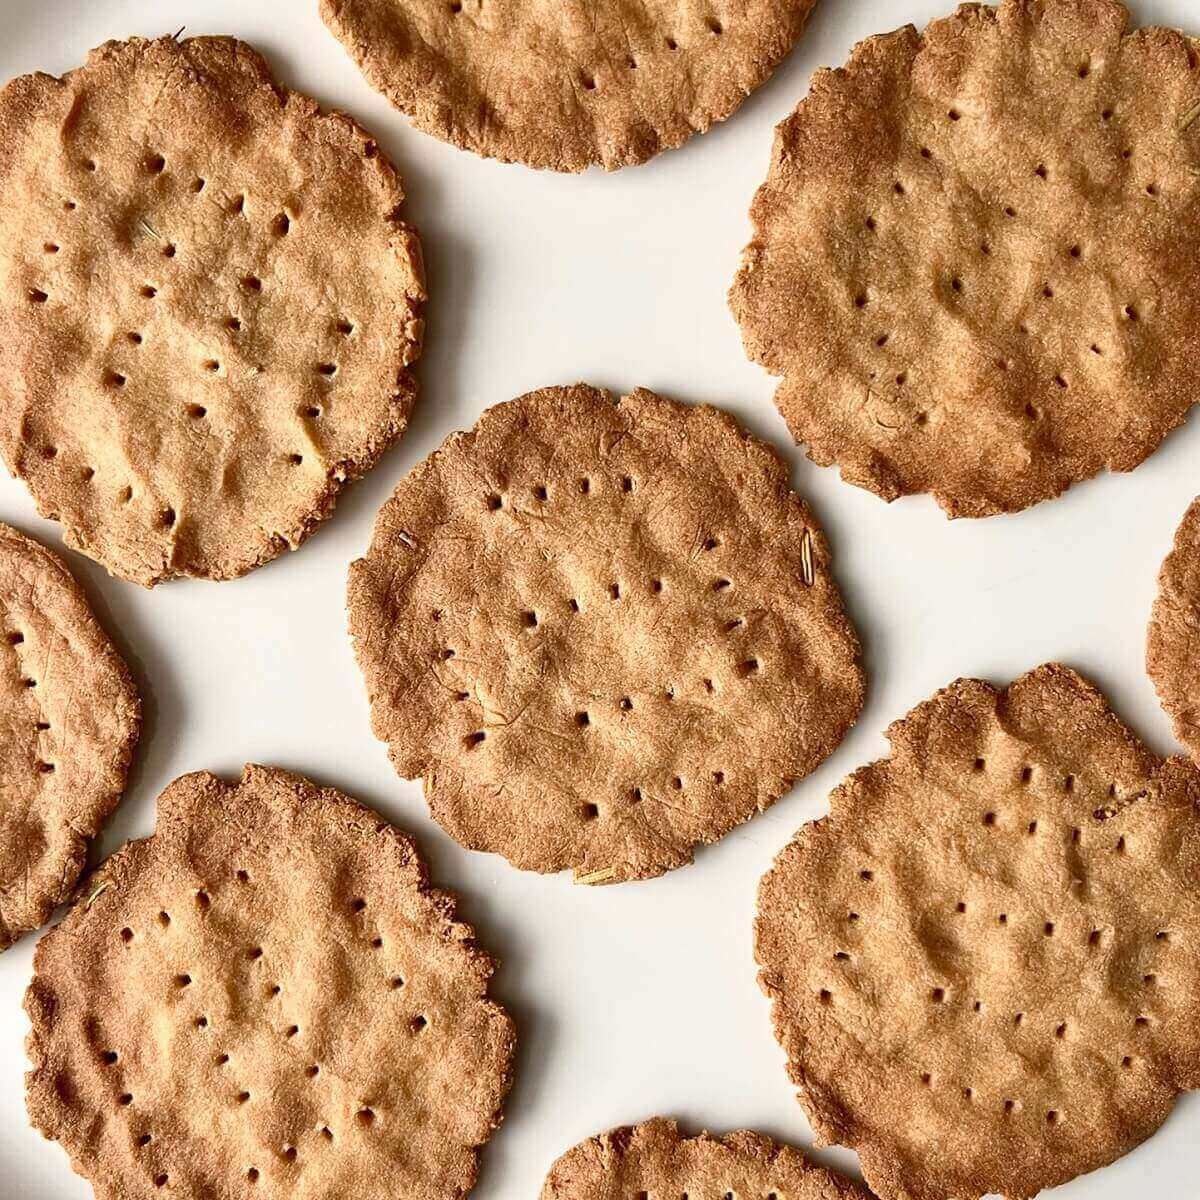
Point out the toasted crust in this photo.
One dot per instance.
(655, 1159)
(983, 964)
(208, 306)
(69, 722)
(973, 257)
(266, 992)
(1173, 639)
(604, 632)
(566, 85)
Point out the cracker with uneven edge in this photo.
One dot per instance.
(208, 306)
(1173, 639)
(265, 998)
(69, 722)
(655, 1160)
(565, 84)
(973, 258)
(603, 632)
(983, 963)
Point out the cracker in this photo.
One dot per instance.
(1173, 639)
(972, 259)
(566, 85)
(603, 632)
(208, 306)
(654, 1159)
(983, 963)
(69, 722)
(266, 998)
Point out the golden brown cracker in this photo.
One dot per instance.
(209, 306)
(1173, 639)
(69, 722)
(973, 260)
(265, 998)
(983, 963)
(654, 1160)
(565, 84)
(603, 632)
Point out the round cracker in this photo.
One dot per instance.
(1173, 639)
(69, 722)
(973, 259)
(209, 310)
(603, 632)
(566, 85)
(266, 998)
(654, 1159)
(983, 964)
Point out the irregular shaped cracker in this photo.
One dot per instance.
(1173, 639)
(208, 306)
(266, 998)
(983, 964)
(654, 1160)
(603, 633)
(973, 256)
(69, 722)
(565, 84)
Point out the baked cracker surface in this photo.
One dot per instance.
(602, 631)
(653, 1159)
(973, 260)
(1173, 639)
(209, 306)
(266, 998)
(69, 722)
(983, 963)
(564, 84)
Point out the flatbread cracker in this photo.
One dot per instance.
(1173, 640)
(266, 998)
(654, 1159)
(984, 963)
(603, 632)
(69, 722)
(973, 258)
(209, 306)
(564, 85)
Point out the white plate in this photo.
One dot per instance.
(639, 999)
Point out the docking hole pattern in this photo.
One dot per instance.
(971, 258)
(70, 717)
(265, 997)
(603, 632)
(562, 87)
(212, 318)
(992, 944)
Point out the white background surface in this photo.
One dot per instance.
(640, 999)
